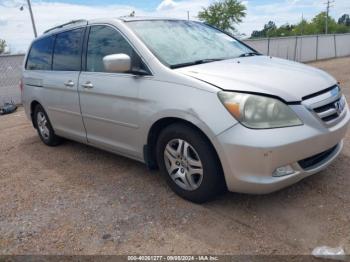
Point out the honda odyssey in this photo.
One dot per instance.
(206, 109)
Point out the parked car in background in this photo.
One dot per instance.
(207, 110)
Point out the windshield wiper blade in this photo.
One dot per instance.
(249, 54)
(197, 62)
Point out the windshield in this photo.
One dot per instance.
(179, 43)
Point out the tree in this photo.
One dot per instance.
(320, 23)
(344, 20)
(305, 28)
(2, 46)
(316, 26)
(224, 14)
(269, 30)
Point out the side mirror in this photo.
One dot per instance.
(117, 63)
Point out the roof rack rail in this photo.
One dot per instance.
(65, 24)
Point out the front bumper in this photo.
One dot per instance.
(249, 157)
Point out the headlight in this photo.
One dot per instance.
(256, 111)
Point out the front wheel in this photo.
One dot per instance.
(189, 163)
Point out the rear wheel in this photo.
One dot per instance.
(189, 163)
(44, 127)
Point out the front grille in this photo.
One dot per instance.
(325, 107)
(329, 111)
(310, 162)
(329, 105)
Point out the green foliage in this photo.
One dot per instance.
(2, 46)
(320, 23)
(304, 28)
(268, 30)
(223, 14)
(344, 20)
(317, 25)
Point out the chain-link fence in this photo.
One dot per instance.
(10, 72)
(301, 48)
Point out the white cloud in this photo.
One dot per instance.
(166, 5)
(16, 29)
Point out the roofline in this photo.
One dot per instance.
(73, 22)
(82, 22)
(146, 18)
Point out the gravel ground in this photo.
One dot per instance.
(74, 199)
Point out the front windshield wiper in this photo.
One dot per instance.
(197, 62)
(249, 54)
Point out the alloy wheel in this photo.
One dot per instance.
(183, 164)
(42, 125)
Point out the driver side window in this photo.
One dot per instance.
(104, 40)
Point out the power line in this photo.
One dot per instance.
(329, 2)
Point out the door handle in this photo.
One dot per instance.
(69, 83)
(88, 84)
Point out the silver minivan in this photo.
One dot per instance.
(207, 110)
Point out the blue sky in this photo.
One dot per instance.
(15, 26)
(146, 4)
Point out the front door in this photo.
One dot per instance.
(109, 101)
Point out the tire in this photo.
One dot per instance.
(195, 174)
(44, 127)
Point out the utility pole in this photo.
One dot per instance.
(188, 15)
(32, 18)
(329, 2)
(302, 24)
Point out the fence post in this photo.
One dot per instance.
(268, 46)
(316, 47)
(335, 45)
(295, 48)
(301, 50)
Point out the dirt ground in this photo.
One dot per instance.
(74, 199)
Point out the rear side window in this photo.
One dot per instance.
(67, 51)
(104, 40)
(40, 54)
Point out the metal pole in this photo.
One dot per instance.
(188, 15)
(329, 2)
(295, 48)
(327, 16)
(335, 45)
(32, 18)
(301, 50)
(316, 47)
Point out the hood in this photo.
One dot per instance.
(288, 80)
